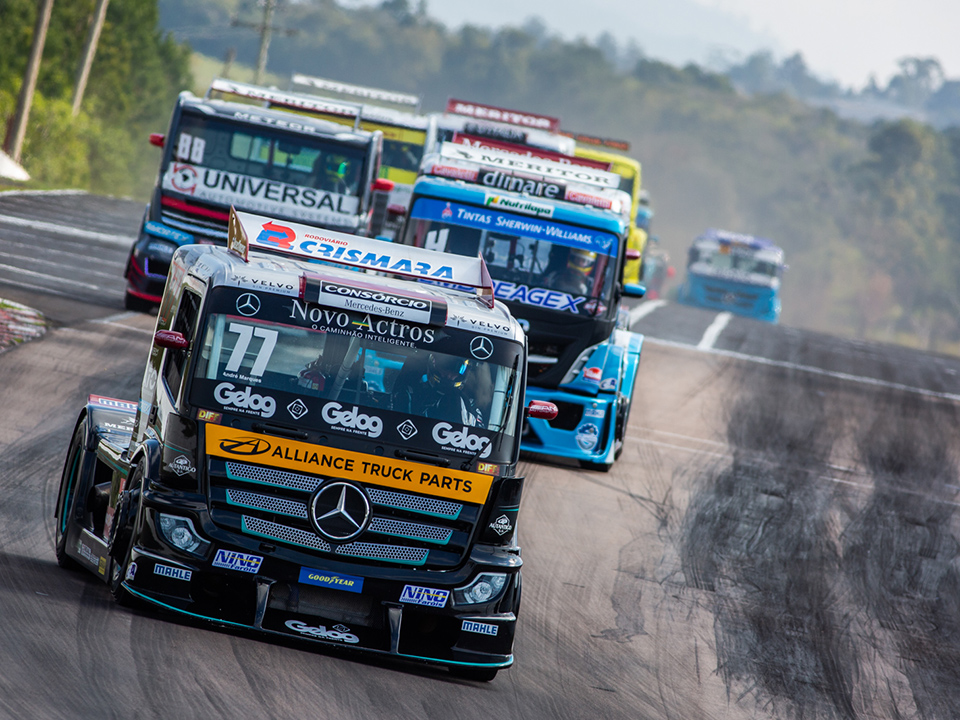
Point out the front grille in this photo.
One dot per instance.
(405, 528)
(194, 224)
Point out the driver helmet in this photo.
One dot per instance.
(446, 371)
(581, 260)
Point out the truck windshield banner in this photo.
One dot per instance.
(485, 219)
(258, 194)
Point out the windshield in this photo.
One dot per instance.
(744, 260)
(531, 260)
(363, 375)
(265, 170)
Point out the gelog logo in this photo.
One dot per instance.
(444, 434)
(353, 419)
(245, 399)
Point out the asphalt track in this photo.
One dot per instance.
(779, 539)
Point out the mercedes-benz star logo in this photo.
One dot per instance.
(248, 304)
(340, 511)
(481, 347)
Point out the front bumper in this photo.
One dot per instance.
(582, 430)
(356, 606)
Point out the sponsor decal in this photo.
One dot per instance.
(481, 347)
(479, 627)
(131, 571)
(113, 403)
(454, 173)
(407, 429)
(538, 297)
(594, 413)
(430, 597)
(277, 235)
(502, 525)
(488, 468)
(498, 114)
(588, 435)
(102, 566)
(338, 633)
(232, 560)
(582, 198)
(297, 409)
(258, 194)
(472, 487)
(396, 98)
(172, 572)
(608, 384)
(248, 304)
(268, 282)
(527, 207)
(372, 300)
(352, 420)
(246, 401)
(530, 227)
(350, 583)
(181, 466)
(496, 132)
(501, 329)
(500, 180)
(535, 166)
(526, 150)
(159, 230)
(593, 374)
(392, 332)
(87, 554)
(462, 439)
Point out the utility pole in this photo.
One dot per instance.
(89, 50)
(18, 128)
(265, 29)
(264, 40)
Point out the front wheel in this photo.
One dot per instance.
(123, 539)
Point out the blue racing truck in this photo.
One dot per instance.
(553, 238)
(736, 273)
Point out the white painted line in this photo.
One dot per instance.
(4, 193)
(805, 368)
(125, 327)
(47, 276)
(53, 264)
(113, 319)
(713, 332)
(644, 309)
(119, 240)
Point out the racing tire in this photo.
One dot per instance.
(620, 428)
(135, 304)
(479, 674)
(66, 496)
(124, 535)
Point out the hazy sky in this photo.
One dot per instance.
(843, 40)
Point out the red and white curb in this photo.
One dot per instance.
(18, 323)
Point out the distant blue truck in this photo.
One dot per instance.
(737, 273)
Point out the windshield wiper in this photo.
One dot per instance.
(418, 455)
(498, 438)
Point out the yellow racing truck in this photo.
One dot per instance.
(629, 171)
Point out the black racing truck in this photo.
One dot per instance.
(274, 158)
(321, 449)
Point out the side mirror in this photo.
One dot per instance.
(382, 185)
(634, 290)
(542, 410)
(157, 139)
(171, 340)
(633, 254)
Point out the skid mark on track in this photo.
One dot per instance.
(901, 550)
(832, 599)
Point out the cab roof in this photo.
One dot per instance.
(215, 266)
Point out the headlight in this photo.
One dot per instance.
(486, 587)
(160, 250)
(179, 532)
